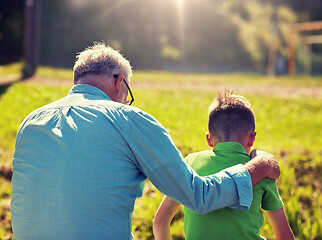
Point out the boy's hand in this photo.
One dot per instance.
(263, 164)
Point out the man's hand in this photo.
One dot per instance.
(274, 172)
(263, 164)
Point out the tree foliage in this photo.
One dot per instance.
(200, 34)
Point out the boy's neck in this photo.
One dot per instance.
(245, 140)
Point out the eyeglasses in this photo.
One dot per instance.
(129, 102)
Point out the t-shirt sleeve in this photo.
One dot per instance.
(271, 200)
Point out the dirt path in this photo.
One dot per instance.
(273, 90)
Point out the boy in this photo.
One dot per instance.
(231, 126)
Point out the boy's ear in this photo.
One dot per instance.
(251, 139)
(210, 140)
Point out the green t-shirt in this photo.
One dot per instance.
(228, 223)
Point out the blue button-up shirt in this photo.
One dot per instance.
(80, 163)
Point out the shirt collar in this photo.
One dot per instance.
(88, 89)
(230, 147)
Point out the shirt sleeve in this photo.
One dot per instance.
(271, 200)
(161, 162)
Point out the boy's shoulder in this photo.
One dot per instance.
(201, 153)
(206, 154)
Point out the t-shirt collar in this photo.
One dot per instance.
(88, 89)
(230, 147)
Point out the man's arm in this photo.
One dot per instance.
(263, 164)
(163, 218)
(279, 223)
(158, 159)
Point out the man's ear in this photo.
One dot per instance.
(251, 139)
(118, 83)
(210, 140)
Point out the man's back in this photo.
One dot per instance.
(74, 175)
(228, 223)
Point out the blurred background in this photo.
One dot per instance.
(187, 51)
(176, 35)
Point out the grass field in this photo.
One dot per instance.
(289, 126)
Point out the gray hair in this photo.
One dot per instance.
(101, 59)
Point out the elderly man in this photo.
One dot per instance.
(80, 162)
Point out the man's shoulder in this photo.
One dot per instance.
(133, 110)
(97, 104)
(137, 114)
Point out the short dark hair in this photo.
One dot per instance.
(230, 117)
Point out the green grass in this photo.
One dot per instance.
(13, 69)
(288, 127)
(57, 73)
